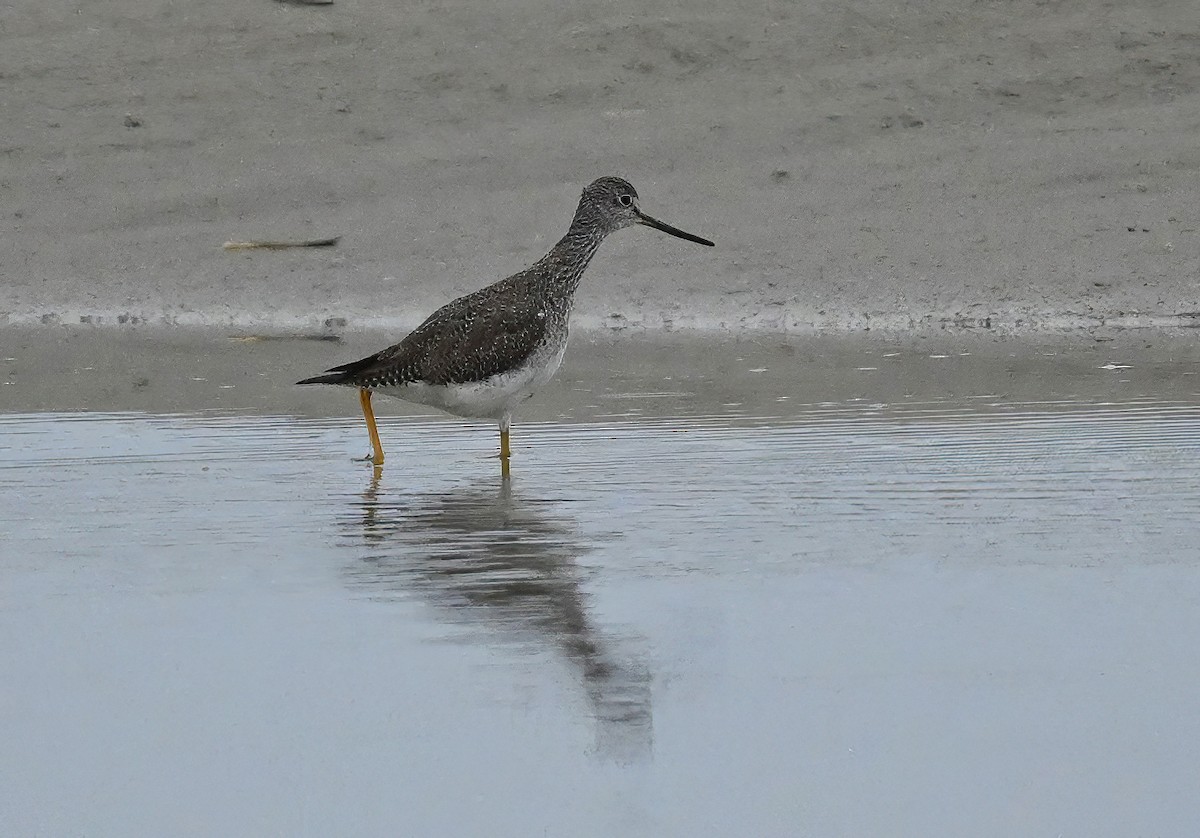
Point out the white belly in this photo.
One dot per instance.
(492, 398)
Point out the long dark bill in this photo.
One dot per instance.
(668, 229)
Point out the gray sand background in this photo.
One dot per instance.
(1007, 165)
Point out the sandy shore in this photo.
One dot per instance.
(1016, 167)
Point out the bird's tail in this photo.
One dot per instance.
(343, 374)
(326, 378)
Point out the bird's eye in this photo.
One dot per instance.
(625, 200)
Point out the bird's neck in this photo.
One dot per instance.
(567, 260)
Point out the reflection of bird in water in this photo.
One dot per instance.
(489, 559)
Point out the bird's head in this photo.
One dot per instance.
(611, 203)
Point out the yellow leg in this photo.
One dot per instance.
(364, 398)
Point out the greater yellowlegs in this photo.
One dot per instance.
(484, 353)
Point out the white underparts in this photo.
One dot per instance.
(492, 398)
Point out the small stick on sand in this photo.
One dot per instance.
(273, 245)
(261, 338)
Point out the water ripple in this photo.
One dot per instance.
(1003, 482)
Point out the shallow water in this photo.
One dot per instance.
(684, 615)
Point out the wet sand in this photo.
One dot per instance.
(188, 370)
(778, 588)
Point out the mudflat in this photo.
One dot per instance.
(932, 166)
(171, 370)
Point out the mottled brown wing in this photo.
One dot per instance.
(469, 339)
